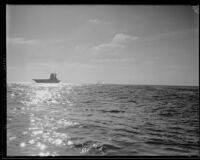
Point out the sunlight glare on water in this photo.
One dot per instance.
(66, 119)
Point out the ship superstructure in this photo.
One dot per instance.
(52, 79)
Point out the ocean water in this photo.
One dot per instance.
(102, 120)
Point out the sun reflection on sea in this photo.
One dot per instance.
(64, 119)
(44, 127)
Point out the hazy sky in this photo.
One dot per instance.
(107, 43)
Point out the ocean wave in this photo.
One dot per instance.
(68, 119)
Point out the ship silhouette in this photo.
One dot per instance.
(52, 79)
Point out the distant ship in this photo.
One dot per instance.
(98, 82)
(52, 79)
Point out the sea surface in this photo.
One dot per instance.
(102, 120)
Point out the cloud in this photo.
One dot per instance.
(94, 21)
(118, 41)
(79, 48)
(196, 9)
(22, 41)
(111, 60)
(107, 46)
(121, 38)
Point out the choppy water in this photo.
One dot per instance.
(65, 119)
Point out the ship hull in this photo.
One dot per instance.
(46, 81)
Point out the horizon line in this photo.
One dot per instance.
(102, 83)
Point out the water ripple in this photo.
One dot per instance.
(66, 119)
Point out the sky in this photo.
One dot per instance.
(119, 44)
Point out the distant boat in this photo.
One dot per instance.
(52, 79)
